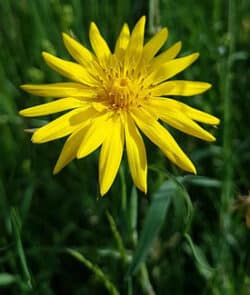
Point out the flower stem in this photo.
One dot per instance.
(124, 189)
(227, 188)
(145, 282)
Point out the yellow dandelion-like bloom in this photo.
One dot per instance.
(113, 96)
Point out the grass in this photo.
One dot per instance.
(200, 245)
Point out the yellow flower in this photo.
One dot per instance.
(116, 94)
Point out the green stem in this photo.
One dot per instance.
(117, 237)
(124, 190)
(217, 14)
(227, 149)
(130, 286)
(133, 216)
(145, 282)
(153, 18)
(96, 270)
(143, 273)
(227, 189)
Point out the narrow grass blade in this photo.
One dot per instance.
(183, 209)
(96, 270)
(200, 259)
(201, 181)
(153, 222)
(16, 229)
(4, 208)
(117, 236)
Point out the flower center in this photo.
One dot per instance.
(123, 87)
(122, 93)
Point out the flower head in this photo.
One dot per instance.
(113, 96)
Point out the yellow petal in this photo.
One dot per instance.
(200, 116)
(98, 43)
(180, 121)
(94, 136)
(154, 44)
(111, 155)
(172, 67)
(135, 46)
(69, 69)
(167, 55)
(77, 50)
(100, 106)
(136, 153)
(70, 148)
(185, 88)
(192, 113)
(162, 138)
(64, 89)
(63, 125)
(52, 107)
(122, 41)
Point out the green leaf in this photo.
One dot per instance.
(153, 222)
(7, 279)
(200, 259)
(201, 181)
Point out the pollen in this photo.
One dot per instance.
(124, 93)
(123, 82)
(123, 89)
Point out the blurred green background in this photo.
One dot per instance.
(41, 215)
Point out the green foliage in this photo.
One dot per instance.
(200, 259)
(154, 219)
(183, 237)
